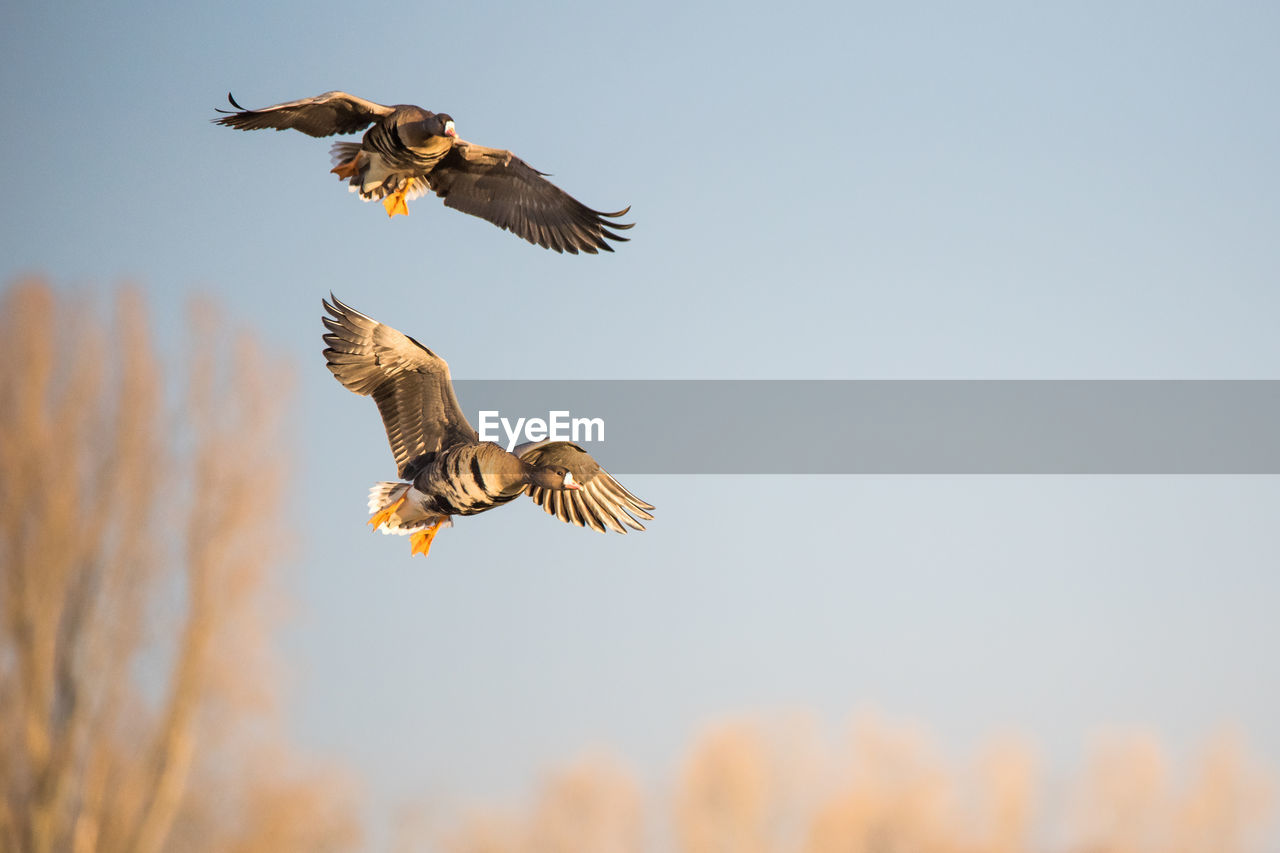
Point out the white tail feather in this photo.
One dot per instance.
(375, 179)
(385, 493)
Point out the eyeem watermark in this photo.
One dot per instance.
(559, 426)
(833, 426)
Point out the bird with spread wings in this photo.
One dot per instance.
(444, 468)
(410, 151)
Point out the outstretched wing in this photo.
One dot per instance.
(323, 115)
(498, 186)
(409, 383)
(600, 502)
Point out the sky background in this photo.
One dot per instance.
(821, 191)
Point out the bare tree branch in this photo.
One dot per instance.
(135, 527)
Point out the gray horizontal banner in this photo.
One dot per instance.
(893, 427)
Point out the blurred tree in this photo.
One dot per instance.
(1005, 796)
(748, 787)
(136, 531)
(727, 794)
(893, 795)
(1132, 804)
(1126, 801)
(767, 785)
(592, 805)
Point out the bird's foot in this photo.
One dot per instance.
(347, 169)
(383, 515)
(421, 540)
(395, 202)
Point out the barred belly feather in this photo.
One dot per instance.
(389, 162)
(469, 479)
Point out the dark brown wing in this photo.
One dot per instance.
(323, 115)
(601, 502)
(409, 383)
(498, 186)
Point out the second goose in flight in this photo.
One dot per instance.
(444, 468)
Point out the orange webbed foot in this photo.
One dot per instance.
(383, 515)
(395, 202)
(421, 540)
(347, 169)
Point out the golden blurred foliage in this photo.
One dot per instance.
(592, 804)
(138, 522)
(761, 787)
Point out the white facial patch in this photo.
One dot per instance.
(568, 479)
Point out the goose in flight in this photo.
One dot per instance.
(444, 468)
(410, 151)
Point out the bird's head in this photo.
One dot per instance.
(555, 477)
(421, 132)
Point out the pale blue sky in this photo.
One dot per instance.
(920, 190)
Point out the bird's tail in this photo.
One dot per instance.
(373, 179)
(406, 517)
(341, 152)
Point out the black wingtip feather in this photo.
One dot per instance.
(238, 108)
